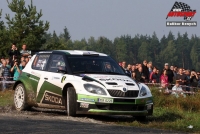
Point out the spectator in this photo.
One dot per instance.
(169, 74)
(16, 69)
(125, 69)
(139, 75)
(187, 73)
(27, 59)
(24, 52)
(177, 89)
(2, 59)
(133, 68)
(133, 75)
(129, 68)
(175, 71)
(120, 64)
(145, 71)
(150, 67)
(5, 71)
(13, 52)
(164, 79)
(154, 78)
(124, 65)
(194, 79)
(181, 77)
(158, 73)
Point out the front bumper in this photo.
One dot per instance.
(115, 106)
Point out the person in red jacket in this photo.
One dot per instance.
(164, 79)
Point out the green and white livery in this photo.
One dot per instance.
(81, 82)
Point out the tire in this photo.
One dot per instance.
(71, 102)
(20, 98)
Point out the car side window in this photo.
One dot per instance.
(56, 63)
(40, 62)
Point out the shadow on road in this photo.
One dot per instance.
(168, 116)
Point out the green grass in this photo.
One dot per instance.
(172, 113)
(6, 98)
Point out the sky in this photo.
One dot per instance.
(111, 18)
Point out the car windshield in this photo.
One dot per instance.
(94, 64)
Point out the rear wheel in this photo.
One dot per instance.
(71, 103)
(20, 98)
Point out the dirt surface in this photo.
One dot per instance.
(52, 121)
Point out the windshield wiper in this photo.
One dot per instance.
(78, 72)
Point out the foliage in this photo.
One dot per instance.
(26, 27)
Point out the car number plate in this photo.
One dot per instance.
(105, 100)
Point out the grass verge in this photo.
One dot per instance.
(6, 98)
(172, 113)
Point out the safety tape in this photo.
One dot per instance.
(7, 81)
(8, 77)
(169, 84)
(174, 91)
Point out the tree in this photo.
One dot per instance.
(144, 52)
(65, 36)
(26, 26)
(4, 37)
(169, 54)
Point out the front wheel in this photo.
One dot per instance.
(20, 98)
(71, 103)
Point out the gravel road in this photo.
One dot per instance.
(40, 121)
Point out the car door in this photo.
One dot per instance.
(52, 86)
(37, 72)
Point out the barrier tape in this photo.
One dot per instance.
(169, 84)
(7, 82)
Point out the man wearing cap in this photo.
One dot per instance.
(170, 74)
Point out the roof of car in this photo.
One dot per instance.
(75, 52)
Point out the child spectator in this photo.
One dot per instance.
(177, 89)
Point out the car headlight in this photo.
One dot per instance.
(94, 89)
(143, 91)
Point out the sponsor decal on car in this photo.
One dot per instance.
(52, 98)
(63, 79)
(87, 99)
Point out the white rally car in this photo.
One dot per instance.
(80, 82)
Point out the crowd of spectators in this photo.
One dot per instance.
(170, 77)
(12, 64)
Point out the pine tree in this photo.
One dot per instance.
(4, 38)
(26, 26)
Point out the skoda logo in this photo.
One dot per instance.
(125, 89)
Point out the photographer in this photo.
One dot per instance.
(16, 69)
(13, 52)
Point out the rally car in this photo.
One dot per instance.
(80, 82)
